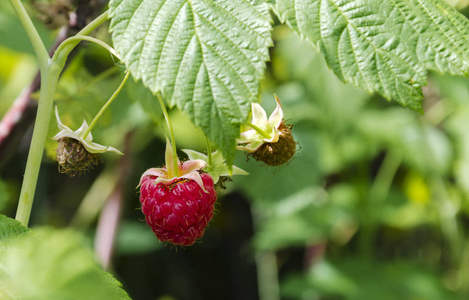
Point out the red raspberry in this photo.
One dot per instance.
(179, 211)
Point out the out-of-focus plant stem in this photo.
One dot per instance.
(110, 216)
(266, 264)
(448, 219)
(378, 192)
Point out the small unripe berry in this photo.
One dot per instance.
(280, 152)
(73, 158)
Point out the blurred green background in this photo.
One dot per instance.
(373, 206)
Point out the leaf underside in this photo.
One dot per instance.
(206, 57)
(383, 46)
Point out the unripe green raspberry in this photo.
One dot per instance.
(280, 152)
(268, 140)
(73, 158)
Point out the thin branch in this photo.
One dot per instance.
(38, 46)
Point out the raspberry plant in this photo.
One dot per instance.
(207, 58)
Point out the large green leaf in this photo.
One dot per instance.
(383, 46)
(50, 264)
(206, 57)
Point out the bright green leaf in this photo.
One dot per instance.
(384, 46)
(10, 229)
(53, 264)
(206, 57)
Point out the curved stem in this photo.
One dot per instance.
(49, 82)
(260, 131)
(106, 105)
(74, 40)
(60, 56)
(95, 23)
(171, 134)
(39, 48)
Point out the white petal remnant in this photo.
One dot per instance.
(86, 141)
(263, 130)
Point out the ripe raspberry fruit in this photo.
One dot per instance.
(178, 212)
(177, 200)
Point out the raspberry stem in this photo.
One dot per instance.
(39, 48)
(106, 105)
(49, 81)
(72, 41)
(62, 52)
(173, 171)
(50, 70)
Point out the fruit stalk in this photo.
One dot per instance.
(173, 170)
(106, 105)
